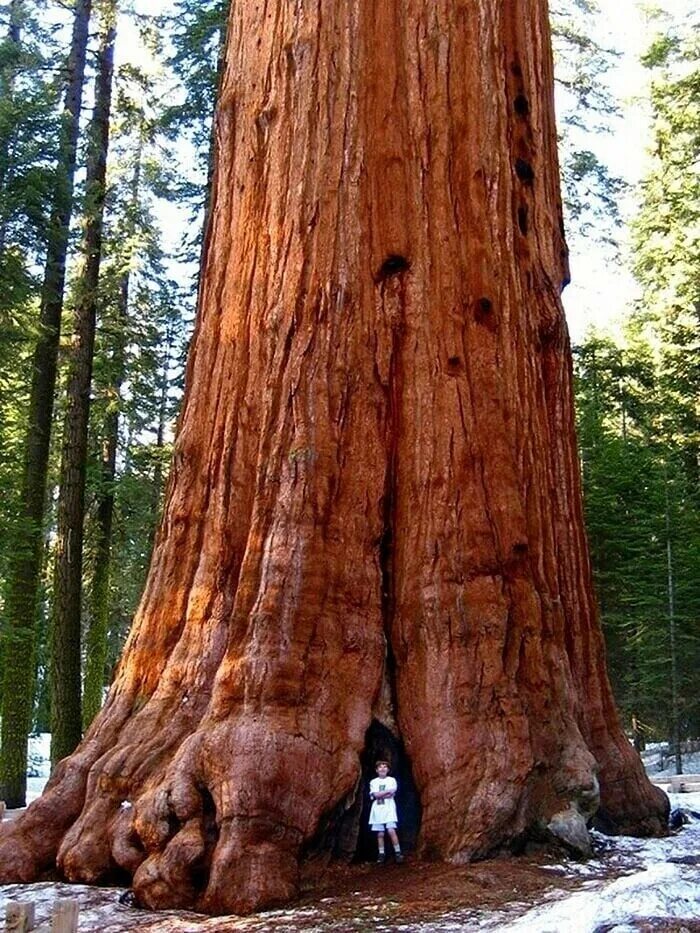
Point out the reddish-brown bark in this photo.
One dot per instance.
(374, 511)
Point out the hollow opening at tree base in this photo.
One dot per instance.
(381, 743)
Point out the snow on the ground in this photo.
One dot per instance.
(660, 763)
(649, 885)
(656, 887)
(38, 764)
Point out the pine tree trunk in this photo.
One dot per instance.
(8, 75)
(66, 720)
(372, 537)
(671, 597)
(25, 560)
(96, 636)
(157, 487)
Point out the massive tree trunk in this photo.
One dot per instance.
(373, 531)
(66, 718)
(25, 560)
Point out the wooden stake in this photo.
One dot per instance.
(3, 808)
(64, 917)
(19, 917)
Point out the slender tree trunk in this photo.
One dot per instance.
(8, 76)
(66, 721)
(373, 537)
(25, 560)
(157, 490)
(671, 596)
(96, 636)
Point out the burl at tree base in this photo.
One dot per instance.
(374, 515)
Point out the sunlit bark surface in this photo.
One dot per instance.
(374, 512)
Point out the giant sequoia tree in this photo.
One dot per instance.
(373, 530)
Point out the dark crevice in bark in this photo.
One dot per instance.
(383, 739)
(338, 830)
(387, 540)
(523, 220)
(200, 873)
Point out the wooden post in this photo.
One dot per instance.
(3, 808)
(19, 916)
(64, 917)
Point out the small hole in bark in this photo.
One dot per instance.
(454, 365)
(521, 105)
(523, 222)
(549, 334)
(524, 171)
(380, 742)
(483, 313)
(520, 548)
(392, 265)
(134, 840)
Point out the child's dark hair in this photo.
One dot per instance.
(382, 761)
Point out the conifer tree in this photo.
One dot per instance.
(66, 719)
(25, 556)
(98, 626)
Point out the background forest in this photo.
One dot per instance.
(105, 170)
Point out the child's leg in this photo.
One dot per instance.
(380, 846)
(393, 835)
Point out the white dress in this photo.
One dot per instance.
(383, 811)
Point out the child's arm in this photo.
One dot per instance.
(383, 794)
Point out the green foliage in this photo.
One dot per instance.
(145, 321)
(29, 99)
(643, 520)
(667, 232)
(196, 29)
(585, 107)
(639, 416)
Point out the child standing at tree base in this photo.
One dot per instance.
(383, 816)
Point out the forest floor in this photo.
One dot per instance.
(630, 884)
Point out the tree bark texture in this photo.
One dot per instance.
(25, 560)
(66, 718)
(374, 518)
